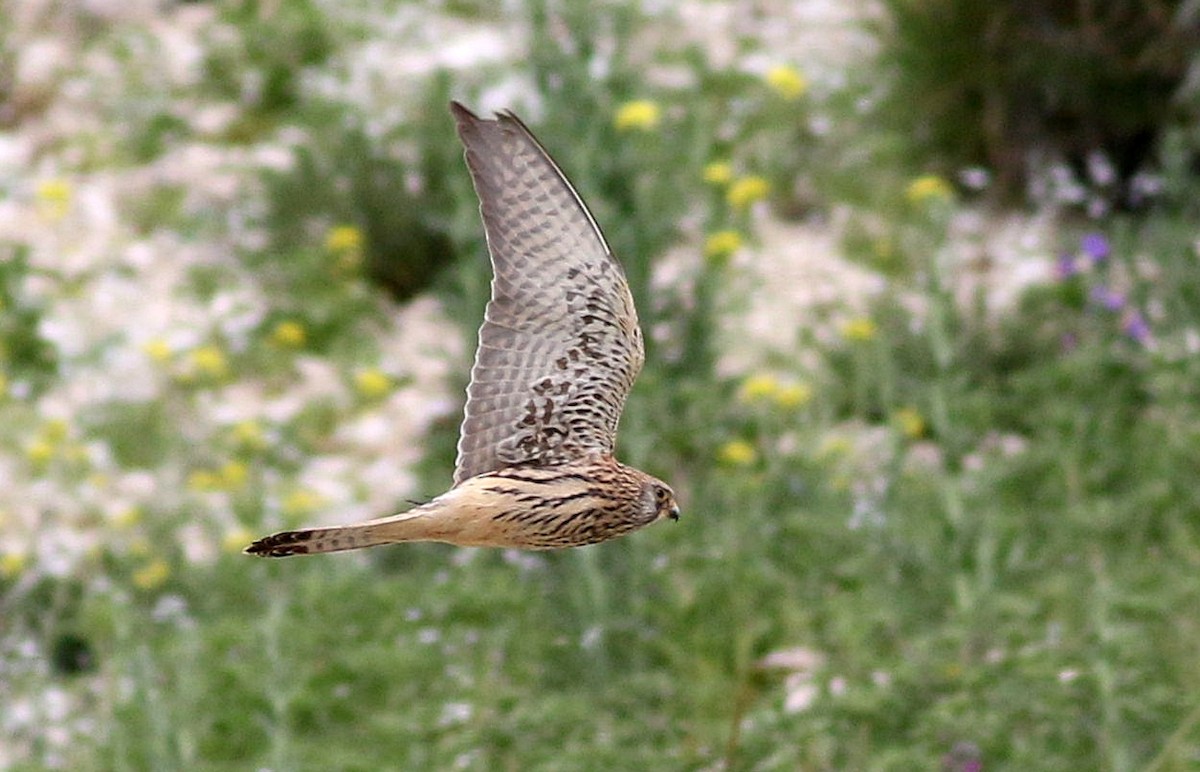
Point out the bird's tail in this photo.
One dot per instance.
(309, 541)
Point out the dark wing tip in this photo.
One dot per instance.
(280, 545)
(510, 118)
(466, 120)
(475, 132)
(461, 113)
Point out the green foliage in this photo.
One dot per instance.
(995, 84)
(24, 354)
(259, 67)
(403, 210)
(933, 538)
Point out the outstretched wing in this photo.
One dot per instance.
(560, 345)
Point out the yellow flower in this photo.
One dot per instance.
(910, 422)
(55, 430)
(718, 173)
(762, 387)
(202, 480)
(249, 434)
(793, 396)
(288, 335)
(300, 502)
(157, 349)
(834, 445)
(758, 387)
(720, 245)
(737, 453)
(344, 238)
(49, 443)
(746, 190)
(787, 81)
(152, 575)
(39, 452)
(210, 362)
(13, 564)
(127, 518)
(346, 244)
(54, 198)
(640, 115)
(236, 539)
(928, 188)
(859, 329)
(372, 383)
(233, 475)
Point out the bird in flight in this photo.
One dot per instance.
(558, 352)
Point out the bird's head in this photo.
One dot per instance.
(658, 501)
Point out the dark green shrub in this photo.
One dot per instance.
(400, 206)
(260, 66)
(25, 354)
(1008, 84)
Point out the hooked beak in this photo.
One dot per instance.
(674, 513)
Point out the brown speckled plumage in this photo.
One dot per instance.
(558, 352)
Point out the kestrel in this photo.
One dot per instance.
(558, 353)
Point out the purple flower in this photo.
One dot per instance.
(1134, 325)
(1096, 247)
(1108, 298)
(963, 757)
(1065, 267)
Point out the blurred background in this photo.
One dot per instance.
(920, 281)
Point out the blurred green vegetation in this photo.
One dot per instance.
(261, 66)
(1015, 87)
(981, 533)
(23, 349)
